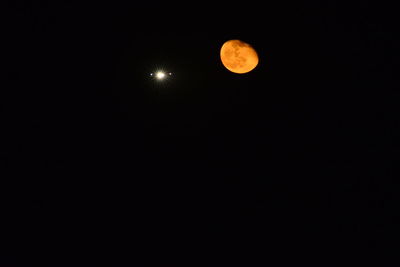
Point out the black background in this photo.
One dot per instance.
(288, 164)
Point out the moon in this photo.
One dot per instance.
(238, 56)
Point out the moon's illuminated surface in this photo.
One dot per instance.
(238, 56)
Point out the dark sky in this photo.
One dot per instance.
(289, 164)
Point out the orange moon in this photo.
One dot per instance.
(238, 56)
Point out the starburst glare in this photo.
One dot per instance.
(160, 75)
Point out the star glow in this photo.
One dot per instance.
(160, 75)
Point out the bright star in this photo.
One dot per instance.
(160, 75)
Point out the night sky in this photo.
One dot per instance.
(286, 165)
